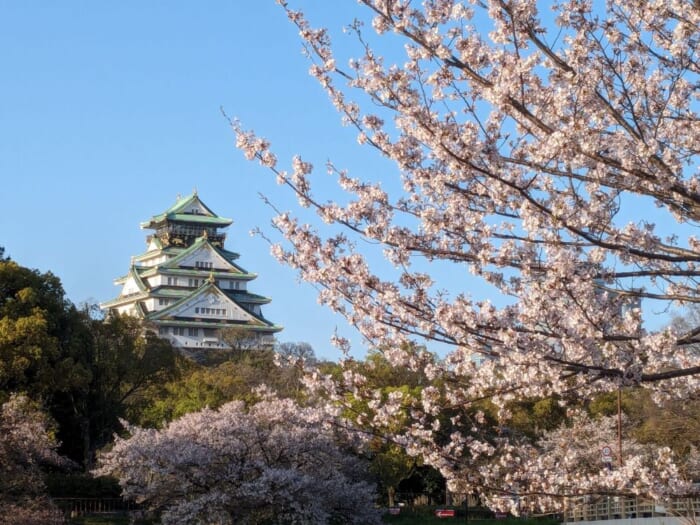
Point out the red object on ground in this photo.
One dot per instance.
(445, 513)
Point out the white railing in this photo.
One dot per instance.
(612, 508)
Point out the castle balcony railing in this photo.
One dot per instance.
(188, 229)
(186, 235)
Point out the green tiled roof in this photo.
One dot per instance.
(213, 324)
(158, 315)
(202, 241)
(245, 297)
(174, 213)
(229, 254)
(134, 272)
(154, 253)
(189, 217)
(164, 291)
(150, 271)
(197, 244)
(124, 299)
(176, 250)
(236, 295)
(140, 310)
(137, 278)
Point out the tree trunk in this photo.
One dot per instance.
(391, 493)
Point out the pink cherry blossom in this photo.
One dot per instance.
(273, 462)
(538, 146)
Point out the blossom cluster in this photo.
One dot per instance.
(273, 462)
(529, 144)
(26, 444)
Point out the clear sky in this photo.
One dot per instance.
(108, 110)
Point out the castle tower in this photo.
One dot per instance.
(187, 285)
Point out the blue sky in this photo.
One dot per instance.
(109, 110)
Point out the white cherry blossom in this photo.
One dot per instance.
(537, 150)
(272, 463)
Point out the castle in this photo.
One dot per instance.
(188, 287)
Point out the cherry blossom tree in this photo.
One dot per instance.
(271, 463)
(568, 461)
(26, 443)
(541, 148)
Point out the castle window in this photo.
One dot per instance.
(193, 332)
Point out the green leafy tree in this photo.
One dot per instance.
(389, 461)
(533, 416)
(391, 465)
(225, 376)
(672, 423)
(87, 371)
(39, 331)
(123, 360)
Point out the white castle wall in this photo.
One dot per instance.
(206, 259)
(130, 287)
(213, 305)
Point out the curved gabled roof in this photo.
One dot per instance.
(244, 297)
(135, 275)
(181, 212)
(253, 319)
(199, 243)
